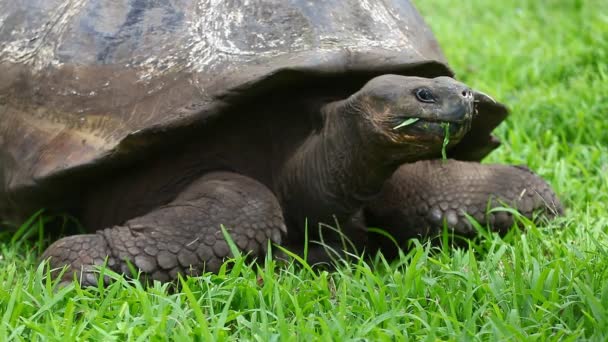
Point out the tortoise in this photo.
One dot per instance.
(156, 124)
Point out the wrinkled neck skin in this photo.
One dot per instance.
(336, 170)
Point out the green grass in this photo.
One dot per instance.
(548, 61)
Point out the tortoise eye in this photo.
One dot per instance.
(425, 95)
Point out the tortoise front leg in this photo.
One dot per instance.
(183, 236)
(420, 197)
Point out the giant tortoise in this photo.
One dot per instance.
(156, 123)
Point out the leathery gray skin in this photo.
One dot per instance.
(338, 174)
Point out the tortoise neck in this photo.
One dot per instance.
(336, 170)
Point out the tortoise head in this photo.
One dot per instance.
(414, 111)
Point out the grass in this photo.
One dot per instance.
(547, 61)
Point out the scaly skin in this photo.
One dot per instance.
(183, 236)
(419, 197)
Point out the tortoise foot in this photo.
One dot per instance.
(81, 254)
(182, 237)
(421, 197)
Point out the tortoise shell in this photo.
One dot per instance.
(86, 83)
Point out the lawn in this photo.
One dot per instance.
(548, 60)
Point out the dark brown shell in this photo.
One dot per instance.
(84, 81)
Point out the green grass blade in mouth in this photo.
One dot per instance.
(407, 122)
(446, 140)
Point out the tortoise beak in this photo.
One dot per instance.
(459, 111)
(459, 114)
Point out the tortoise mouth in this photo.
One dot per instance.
(452, 119)
(453, 126)
(438, 128)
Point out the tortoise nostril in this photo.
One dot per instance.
(466, 93)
